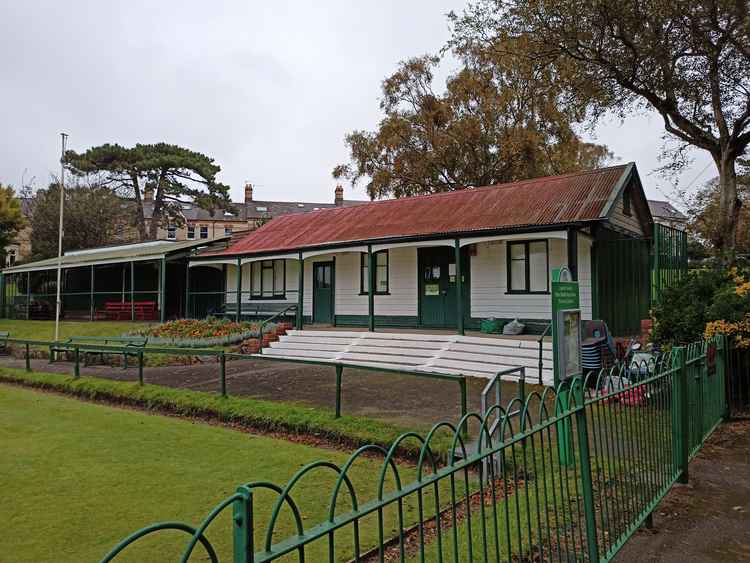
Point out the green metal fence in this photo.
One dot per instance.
(569, 478)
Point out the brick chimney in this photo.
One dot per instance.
(338, 198)
(248, 192)
(148, 194)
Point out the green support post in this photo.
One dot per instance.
(28, 358)
(140, 367)
(28, 295)
(223, 373)
(187, 291)
(239, 289)
(681, 429)
(91, 295)
(339, 372)
(459, 291)
(586, 479)
(77, 360)
(464, 404)
(132, 290)
(301, 293)
(242, 528)
(370, 290)
(162, 288)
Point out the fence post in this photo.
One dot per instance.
(586, 480)
(339, 371)
(77, 369)
(28, 358)
(140, 367)
(681, 429)
(722, 349)
(223, 373)
(242, 528)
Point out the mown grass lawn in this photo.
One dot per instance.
(78, 477)
(45, 330)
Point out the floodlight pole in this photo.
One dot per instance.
(58, 301)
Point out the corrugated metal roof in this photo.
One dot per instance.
(664, 210)
(120, 253)
(551, 200)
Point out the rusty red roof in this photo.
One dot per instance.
(552, 200)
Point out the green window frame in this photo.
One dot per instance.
(521, 275)
(382, 273)
(268, 279)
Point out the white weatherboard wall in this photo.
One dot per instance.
(489, 280)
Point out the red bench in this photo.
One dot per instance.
(122, 311)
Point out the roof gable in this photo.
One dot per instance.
(553, 200)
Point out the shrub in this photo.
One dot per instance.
(705, 303)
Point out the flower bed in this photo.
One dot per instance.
(195, 333)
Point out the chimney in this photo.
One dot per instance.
(148, 194)
(248, 192)
(339, 196)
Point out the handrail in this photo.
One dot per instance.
(540, 341)
(263, 323)
(495, 382)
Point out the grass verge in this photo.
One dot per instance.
(254, 414)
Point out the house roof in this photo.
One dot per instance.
(665, 210)
(151, 250)
(249, 210)
(553, 200)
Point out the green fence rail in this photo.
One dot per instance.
(79, 350)
(570, 478)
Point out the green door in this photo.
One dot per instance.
(437, 287)
(323, 292)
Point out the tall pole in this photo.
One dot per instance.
(58, 303)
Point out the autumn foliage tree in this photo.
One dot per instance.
(493, 123)
(173, 174)
(687, 60)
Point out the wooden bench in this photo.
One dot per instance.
(132, 346)
(125, 310)
(256, 309)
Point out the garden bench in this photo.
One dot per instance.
(256, 309)
(123, 310)
(131, 346)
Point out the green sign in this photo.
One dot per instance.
(565, 337)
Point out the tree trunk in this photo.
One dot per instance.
(140, 220)
(729, 206)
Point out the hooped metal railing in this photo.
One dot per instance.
(581, 467)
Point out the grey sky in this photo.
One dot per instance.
(269, 89)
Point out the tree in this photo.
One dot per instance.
(91, 214)
(11, 216)
(688, 60)
(494, 123)
(705, 215)
(173, 174)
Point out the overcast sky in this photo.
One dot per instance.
(268, 89)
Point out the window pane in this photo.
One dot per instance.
(518, 275)
(267, 279)
(381, 283)
(517, 251)
(278, 277)
(538, 266)
(381, 258)
(256, 278)
(364, 278)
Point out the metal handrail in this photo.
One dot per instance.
(540, 342)
(262, 325)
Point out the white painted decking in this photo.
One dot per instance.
(451, 354)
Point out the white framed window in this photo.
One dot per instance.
(191, 232)
(528, 266)
(381, 273)
(204, 231)
(268, 279)
(228, 230)
(172, 231)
